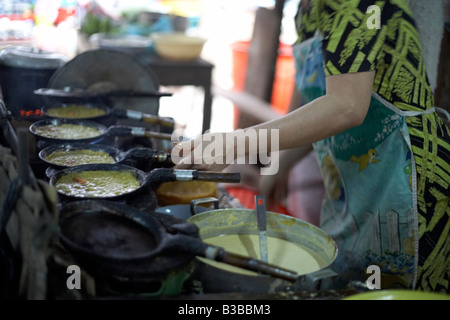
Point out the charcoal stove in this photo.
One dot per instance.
(178, 283)
(145, 202)
(123, 72)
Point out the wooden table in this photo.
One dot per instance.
(185, 73)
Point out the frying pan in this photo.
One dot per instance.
(153, 178)
(120, 157)
(118, 113)
(104, 131)
(82, 223)
(124, 241)
(82, 95)
(107, 111)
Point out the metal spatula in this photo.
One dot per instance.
(260, 204)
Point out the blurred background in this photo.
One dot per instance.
(67, 27)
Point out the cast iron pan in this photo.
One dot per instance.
(123, 241)
(113, 238)
(158, 158)
(116, 113)
(107, 111)
(104, 131)
(81, 95)
(153, 178)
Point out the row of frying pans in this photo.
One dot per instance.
(94, 122)
(143, 241)
(160, 160)
(115, 241)
(115, 113)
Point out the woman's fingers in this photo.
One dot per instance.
(201, 153)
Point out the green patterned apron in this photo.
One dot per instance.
(370, 206)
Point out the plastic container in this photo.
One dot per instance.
(178, 46)
(24, 69)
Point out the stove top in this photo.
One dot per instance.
(185, 286)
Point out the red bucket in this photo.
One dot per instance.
(284, 78)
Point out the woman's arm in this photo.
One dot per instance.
(344, 106)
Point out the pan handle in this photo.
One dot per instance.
(136, 132)
(158, 135)
(119, 131)
(132, 93)
(195, 202)
(230, 177)
(144, 117)
(185, 243)
(146, 154)
(219, 254)
(161, 175)
(143, 132)
(163, 121)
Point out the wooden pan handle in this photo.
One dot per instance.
(158, 135)
(231, 177)
(145, 117)
(167, 122)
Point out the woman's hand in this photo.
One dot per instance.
(206, 152)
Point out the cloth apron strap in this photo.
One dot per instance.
(406, 113)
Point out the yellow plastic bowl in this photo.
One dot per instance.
(178, 46)
(398, 295)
